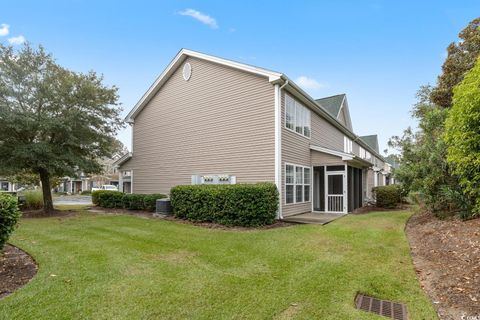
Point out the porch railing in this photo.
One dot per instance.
(335, 203)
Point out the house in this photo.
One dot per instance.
(7, 186)
(211, 120)
(82, 182)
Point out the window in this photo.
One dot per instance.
(297, 184)
(290, 113)
(297, 117)
(364, 154)
(347, 145)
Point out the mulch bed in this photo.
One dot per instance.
(368, 209)
(209, 225)
(16, 269)
(446, 255)
(41, 214)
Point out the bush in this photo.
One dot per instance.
(388, 196)
(85, 193)
(9, 215)
(33, 199)
(108, 199)
(241, 204)
(150, 201)
(131, 201)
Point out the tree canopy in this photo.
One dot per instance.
(461, 58)
(462, 135)
(55, 122)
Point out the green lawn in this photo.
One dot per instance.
(125, 267)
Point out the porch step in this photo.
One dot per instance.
(313, 218)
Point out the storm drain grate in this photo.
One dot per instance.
(385, 308)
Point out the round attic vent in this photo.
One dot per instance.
(187, 71)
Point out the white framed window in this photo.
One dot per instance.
(347, 145)
(297, 117)
(297, 183)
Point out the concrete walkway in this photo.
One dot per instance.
(313, 218)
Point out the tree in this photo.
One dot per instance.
(461, 58)
(462, 135)
(55, 122)
(423, 166)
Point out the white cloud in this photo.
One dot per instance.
(4, 29)
(16, 40)
(309, 83)
(203, 18)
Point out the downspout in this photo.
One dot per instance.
(278, 145)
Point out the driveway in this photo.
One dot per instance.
(66, 200)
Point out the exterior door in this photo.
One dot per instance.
(335, 187)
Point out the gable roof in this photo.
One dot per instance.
(332, 104)
(272, 76)
(372, 141)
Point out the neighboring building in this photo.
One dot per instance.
(7, 186)
(211, 120)
(82, 182)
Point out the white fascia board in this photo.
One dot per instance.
(343, 155)
(179, 58)
(122, 159)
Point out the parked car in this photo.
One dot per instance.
(109, 187)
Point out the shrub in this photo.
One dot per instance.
(388, 196)
(85, 193)
(241, 204)
(33, 199)
(150, 200)
(131, 201)
(9, 215)
(95, 195)
(108, 199)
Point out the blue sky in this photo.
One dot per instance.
(377, 52)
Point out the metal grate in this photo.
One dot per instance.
(393, 310)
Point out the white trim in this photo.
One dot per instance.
(131, 180)
(179, 58)
(343, 155)
(122, 159)
(278, 146)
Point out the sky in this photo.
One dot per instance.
(377, 52)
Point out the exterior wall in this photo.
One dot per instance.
(323, 159)
(296, 150)
(220, 121)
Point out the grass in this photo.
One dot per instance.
(126, 267)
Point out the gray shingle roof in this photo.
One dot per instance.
(372, 141)
(332, 104)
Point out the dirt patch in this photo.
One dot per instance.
(446, 255)
(16, 269)
(209, 225)
(55, 213)
(288, 313)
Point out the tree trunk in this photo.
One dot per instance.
(46, 190)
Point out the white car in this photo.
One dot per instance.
(109, 187)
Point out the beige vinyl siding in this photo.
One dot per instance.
(323, 159)
(220, 121)
(370, 182)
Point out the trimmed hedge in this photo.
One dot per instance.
(248, 205)
(131, 201)
(388, 196)
(9, 215)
